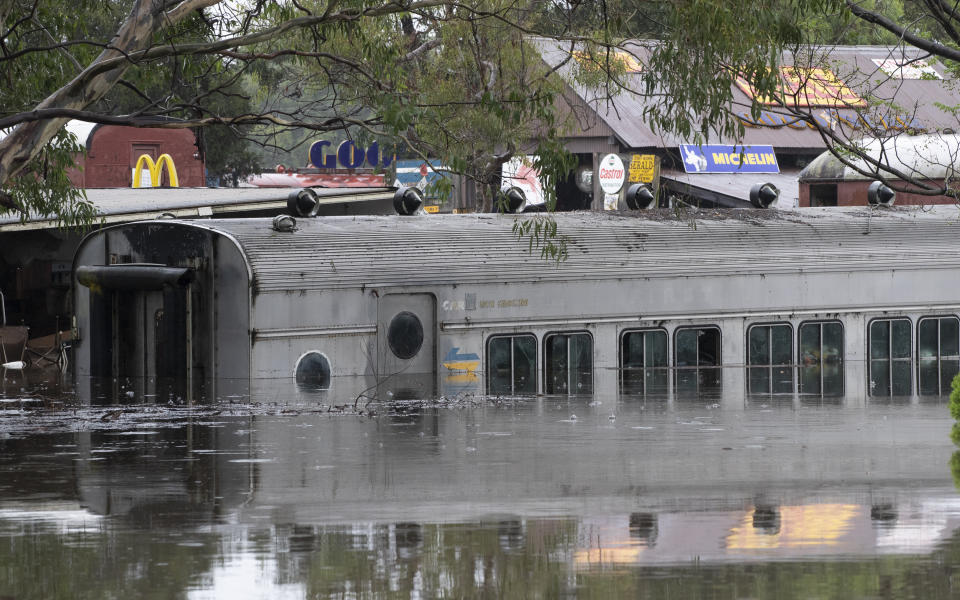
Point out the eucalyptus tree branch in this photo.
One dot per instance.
(354, 65)
(944, 17)
(153, 122)
(913, 39)
(62, 48)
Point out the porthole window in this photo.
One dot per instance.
(405, 335)
(313, 369)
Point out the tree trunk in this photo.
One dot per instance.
(136, 33)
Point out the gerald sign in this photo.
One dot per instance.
(347, 156)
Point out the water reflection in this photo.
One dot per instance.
(685, 495)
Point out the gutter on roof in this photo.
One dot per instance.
(192, 212)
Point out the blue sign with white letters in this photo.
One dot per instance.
(728, 159)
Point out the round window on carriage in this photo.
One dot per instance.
(405, 335)
(313, 369)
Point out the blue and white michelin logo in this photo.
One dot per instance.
(729, 159)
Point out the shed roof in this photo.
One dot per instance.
(336, 252)
(916, 99)
(733, 189)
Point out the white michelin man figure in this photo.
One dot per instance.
(696, 161)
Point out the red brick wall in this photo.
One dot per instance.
(113, 151)
(854, 193)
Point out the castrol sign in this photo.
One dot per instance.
(611, 174)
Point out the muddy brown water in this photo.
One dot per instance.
(644, 497)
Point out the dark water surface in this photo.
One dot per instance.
(527, 498)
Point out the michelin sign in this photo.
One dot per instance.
(728, 159)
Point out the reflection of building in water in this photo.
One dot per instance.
(766, 519)
(166, 474)
(643, 527)
(765, 532)
(824, 526)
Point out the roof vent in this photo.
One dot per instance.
(764, 195)
(880, 195)
(511, 200)
(303, 203)
(407, 200)
(639, 196)
(284, 223)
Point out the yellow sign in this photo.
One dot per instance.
(800, 86)
(642, 168)
(618, 59)
(431, 209)
(156, 168)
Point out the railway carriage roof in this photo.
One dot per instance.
(371, 251)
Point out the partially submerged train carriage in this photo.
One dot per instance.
(816, 301)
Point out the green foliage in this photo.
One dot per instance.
(839, 26)
(46, 189)
(541, 233)
(955, 398)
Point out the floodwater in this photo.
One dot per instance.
(597, 497)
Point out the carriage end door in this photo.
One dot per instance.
(406, 337)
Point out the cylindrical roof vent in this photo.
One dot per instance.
(407, 200)
(511, 200)
(303, 203)
(764, 195)
(639, 196)
(880, 195)
(284, 223)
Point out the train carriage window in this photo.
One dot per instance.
(697, 359)
(405, 335)
(568, 363)
(769, 356)
(821, 358)
(938, 357)
(891, 357)
(643, 361)
(313, 371)
(512, 364)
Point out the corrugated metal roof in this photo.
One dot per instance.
(337, 252)
(919, 98)
(122, 205)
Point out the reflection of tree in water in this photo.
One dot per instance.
(955, 431)
(955, 468)
(500, 558)
(52, 564)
